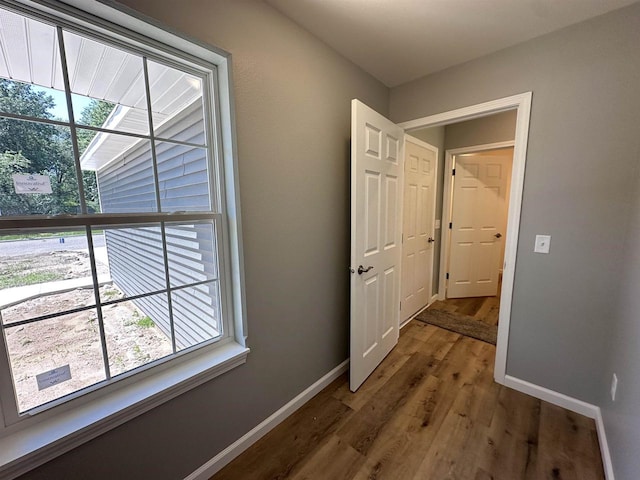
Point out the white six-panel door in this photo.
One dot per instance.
(478, 217)
(420, 163)
(376, 223)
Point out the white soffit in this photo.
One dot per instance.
(29, 53)
(397, 41)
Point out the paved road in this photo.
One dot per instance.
(46, 245)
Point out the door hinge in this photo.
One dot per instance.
(450, 225)
(453, 172)
(447, 275)
(400, 306)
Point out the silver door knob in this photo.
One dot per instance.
(430, 240)
(362, 270)
(498, 235)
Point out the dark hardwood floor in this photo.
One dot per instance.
(432, 411)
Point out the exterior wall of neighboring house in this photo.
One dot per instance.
(135, 255)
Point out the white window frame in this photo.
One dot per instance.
(34, 440)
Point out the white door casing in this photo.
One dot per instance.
(478, 217)
(376, 226)
(420, 165)
(522, 104)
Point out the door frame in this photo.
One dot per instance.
(522, 104)
(445, 233)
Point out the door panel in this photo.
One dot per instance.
(479, 213)
(419, 214)
(376, 201)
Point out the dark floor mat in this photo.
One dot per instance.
(462, 324)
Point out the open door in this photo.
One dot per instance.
(478, 223)
(418, 236)
(376, 250)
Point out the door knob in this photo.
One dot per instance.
(362, 270)
(430, 240)
(498, 235)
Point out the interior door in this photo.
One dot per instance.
(376, 226)
(478, 222)
(418, 236)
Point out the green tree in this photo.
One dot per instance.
(45, 147)
(40, 148)
(94, 115)
(10, 203)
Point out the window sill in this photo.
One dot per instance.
(27, 448)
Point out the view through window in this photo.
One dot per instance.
(109, 210)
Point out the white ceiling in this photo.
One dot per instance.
(400, 40)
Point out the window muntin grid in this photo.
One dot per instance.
(85, 219)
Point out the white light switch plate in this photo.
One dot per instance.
(542, 243)
(437, 225)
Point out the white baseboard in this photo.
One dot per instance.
(223, 458)
(559, 399)
(570, 403)
(604, 447)
(406, 322)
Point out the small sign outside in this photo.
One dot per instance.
(31, 183)
(53, 377)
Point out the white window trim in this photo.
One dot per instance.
(30, 447)
(24, 447)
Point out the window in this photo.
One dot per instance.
(118, 226)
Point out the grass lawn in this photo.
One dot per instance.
(17, 278)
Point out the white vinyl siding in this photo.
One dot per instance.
(126, 185)
(136, 268)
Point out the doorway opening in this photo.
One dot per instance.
(518, 108)
(376, 212)
(473, 201)
(475, 212)
(475, 208)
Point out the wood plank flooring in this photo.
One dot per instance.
(430, 411)
(483, 309)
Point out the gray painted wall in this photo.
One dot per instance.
(583, 148)
(481, 131)
(293, 117)
(292, 97)
(622, 417)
